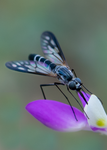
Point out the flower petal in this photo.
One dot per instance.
(57, 115)
(96, 113)
(86, 96)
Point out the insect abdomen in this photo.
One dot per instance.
(34, 57)
(38, 58)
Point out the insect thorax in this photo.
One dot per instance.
(64, 74)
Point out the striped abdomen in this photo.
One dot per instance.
(38, 58)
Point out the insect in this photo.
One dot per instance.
(54, 65)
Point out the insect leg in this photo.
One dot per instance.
(77, 102)
(74, 98)
(41, 86)
(67, 99)
(51, 84)
(56, 84)
(74, 72)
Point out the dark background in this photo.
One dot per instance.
(81, 29)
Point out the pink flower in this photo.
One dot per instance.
(59, 116)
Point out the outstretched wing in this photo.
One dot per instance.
(30, 67)
(52, 49)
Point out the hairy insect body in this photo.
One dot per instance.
(53, 65)
(63, 74)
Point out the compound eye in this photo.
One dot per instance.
(78, 80)
(72, 85)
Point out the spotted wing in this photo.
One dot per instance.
(52, 49)
(30, 67)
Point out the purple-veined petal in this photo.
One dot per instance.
(57, 115)
(86, 96)
(96, 129)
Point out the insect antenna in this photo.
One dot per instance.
(77, 102)
(85, 93)
(90, 93)
(86, 89)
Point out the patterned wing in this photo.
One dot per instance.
(51, 49)
(30, 67)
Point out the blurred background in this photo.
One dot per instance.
(81, 29)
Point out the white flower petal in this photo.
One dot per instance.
(96, 113)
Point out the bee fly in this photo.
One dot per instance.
(53, 65)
